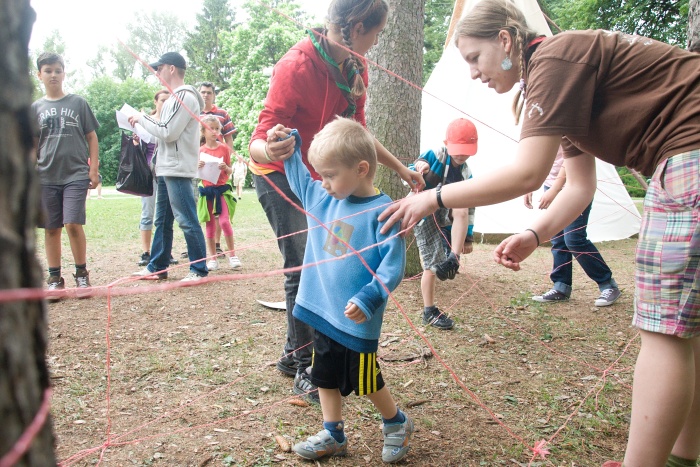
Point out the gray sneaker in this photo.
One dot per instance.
(82, 283)
(321, 445)
(55, 283)
(397, 438)
(304, 387)
(608, 297)
(551, 296)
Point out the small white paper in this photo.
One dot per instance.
(210, 171)
(123, 115)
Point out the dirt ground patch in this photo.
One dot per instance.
(192, 382)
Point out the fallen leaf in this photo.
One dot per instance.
(299, 402)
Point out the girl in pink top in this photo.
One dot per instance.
(216, 203)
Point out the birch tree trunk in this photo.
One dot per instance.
(393, 106)
(24, 375)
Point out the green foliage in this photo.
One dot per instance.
(663, 20)
(438, 14)
(254, 48)
(204, 46)
(105, 96)
(149, 37)
(632, 185)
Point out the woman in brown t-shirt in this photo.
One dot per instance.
(627, 100)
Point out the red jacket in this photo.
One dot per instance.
(302, 95)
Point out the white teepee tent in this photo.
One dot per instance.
(451, 93)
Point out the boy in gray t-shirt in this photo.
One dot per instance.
(66, 139)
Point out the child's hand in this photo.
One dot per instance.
(200, 164)
(422, 167)
(467, 248)
(527, 200)
(223, 166)
(354, 313)
(547, 198)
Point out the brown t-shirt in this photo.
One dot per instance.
(628, 100)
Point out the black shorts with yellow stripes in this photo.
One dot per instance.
(334, 366)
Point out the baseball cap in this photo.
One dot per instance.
(170, 58)
(461, 137)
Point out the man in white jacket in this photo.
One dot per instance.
(177, 156)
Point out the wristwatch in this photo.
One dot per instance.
(438, 194)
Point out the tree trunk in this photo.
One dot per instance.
(693, 21)
(393, 106)
(24, 375)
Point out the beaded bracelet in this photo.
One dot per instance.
(267, 156)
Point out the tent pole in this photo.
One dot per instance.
(456, 16)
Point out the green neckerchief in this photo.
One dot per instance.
(343, 81)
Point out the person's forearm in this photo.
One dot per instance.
(257, 151)
(563, 211)
(229, 141)
(93, 151)
(386, 158)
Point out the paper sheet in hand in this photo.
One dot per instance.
(210, 172)
(123, 115)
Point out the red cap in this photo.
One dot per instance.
(461, 138)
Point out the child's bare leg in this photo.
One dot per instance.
(427, 288)
(383, 401)
(52, 243)
(688, 442)
(664, 385)
(78, 244)
(146, 240)
(229, 245)
(211, 248)
(331, 404)
(460, 225)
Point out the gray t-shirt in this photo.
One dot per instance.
(62, 155)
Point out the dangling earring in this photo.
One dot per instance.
(506, 64)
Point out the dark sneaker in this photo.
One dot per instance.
(438, 319)
(321, 445)
(173, 260)
(448, 268)
(397, 438)
(220, 252)
(551, 296)
(608, 297)
(287, 366)
(145, 258)
(55, 283)
(304, 387)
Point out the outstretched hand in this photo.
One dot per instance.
(409, 210)
(514, 249)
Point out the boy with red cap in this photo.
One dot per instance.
(442, 237)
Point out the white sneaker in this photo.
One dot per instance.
(213, 264)
(192, 277)
(234, 262)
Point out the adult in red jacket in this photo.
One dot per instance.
(316, 80)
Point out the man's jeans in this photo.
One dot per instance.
(285, 221)
(175, 201)
(574, 239)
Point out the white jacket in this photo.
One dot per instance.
(178, 133)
